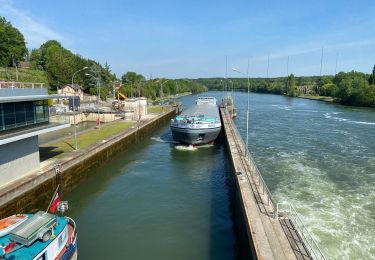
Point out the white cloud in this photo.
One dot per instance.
(34, 31)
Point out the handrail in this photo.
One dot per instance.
(74, 228)
(253, 165)
(309, 242)
(292, 214)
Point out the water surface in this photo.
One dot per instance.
(157, 201)
(321, 158)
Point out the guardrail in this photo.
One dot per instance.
(16, 84)
(310, 245)
(245, 151)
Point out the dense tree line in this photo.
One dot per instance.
(351, 88)
(134, 84)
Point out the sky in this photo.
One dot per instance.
(193, 39)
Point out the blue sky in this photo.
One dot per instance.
(178, 39)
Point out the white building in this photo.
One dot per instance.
(24, 115)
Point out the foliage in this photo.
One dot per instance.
(60, 64)
(24, 75)
(134, 85)
(291, 85)
(12, 44)
(352, 88)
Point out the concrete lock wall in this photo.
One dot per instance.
(18, 158)
(71, 176)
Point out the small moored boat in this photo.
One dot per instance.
(39, 236)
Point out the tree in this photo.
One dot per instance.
(292, 90)
(371, 80)
(12, 44)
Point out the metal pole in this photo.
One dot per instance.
(74, 111)
(321, 63)
(74, 114)
(268, 64)
(98, 102)
(248, 106)
(337, 57)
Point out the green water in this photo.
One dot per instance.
(158, 201)
(321, 158)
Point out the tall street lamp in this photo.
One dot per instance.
(98, 96)
(248, 103)
(74, 110)
(161, 87)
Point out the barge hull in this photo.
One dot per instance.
(195, 136)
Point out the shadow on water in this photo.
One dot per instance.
(223, 241)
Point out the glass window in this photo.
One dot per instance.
(9, 116)
(1, 117)
(30, 113)
(20, 114)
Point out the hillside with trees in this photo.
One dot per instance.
(54, 65)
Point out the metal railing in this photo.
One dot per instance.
(16, 84)
(310, 245)
(254, 169)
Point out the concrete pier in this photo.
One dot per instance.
(270, 235)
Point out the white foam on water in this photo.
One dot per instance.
(340, 119)
(341, 220)
(158, 139)
(181, 147)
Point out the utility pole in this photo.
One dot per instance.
(321, 63)
(268, 64)
(337, 57)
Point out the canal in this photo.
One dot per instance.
(321, 158)
(157, 201)
(161, 201)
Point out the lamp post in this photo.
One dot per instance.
(98, 96)
(161, 87)
(248, 103)
(74, 110)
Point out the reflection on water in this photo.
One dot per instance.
(320, 157)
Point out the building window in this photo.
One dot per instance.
(19, 114)
(9, 116)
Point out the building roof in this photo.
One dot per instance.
(19, 134)
(25, 94)
(75, 86)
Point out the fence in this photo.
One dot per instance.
(310, 245)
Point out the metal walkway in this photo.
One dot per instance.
(275, 230)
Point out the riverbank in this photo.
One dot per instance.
(33, 192)
(318, 98)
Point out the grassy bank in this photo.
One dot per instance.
(85, 140)
(24, 75)
(319, 98)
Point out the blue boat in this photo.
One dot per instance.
(42, 236)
